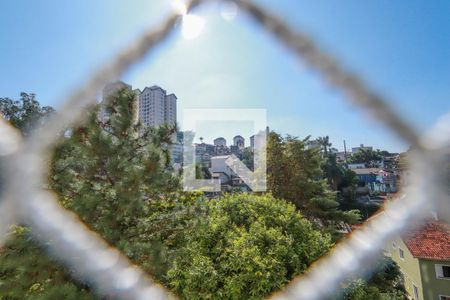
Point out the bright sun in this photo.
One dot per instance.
(192, 25)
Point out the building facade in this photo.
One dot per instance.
(376, 179)
(423, 256)
(239, 141)
(220, 141)
(361, 147)
(152, 106)
(170, 109)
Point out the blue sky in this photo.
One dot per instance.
(401, 48)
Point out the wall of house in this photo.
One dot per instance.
(432, 286)
(218, 165)
(408, 265)
(356, 166)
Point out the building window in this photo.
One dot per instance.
(416, 292)
(442, 297)
(401, 253)
(394, 245)
(446, 271)
(442, 271)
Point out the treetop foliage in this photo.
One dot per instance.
(294, 173)
(26, 113)
(247, 247)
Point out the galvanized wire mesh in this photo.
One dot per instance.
(112, 274)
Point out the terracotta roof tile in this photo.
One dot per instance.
(430, 241)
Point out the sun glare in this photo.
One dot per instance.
(192, 26)
(179, 6)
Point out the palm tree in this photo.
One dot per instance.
(325, 144)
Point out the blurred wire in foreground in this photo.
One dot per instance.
(110, 272)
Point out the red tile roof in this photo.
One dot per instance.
(430, 241)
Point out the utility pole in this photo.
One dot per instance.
(345, 153)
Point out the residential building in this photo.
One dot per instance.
(220, 146)
(252, 142)
(220, 141)
(361, 147)
(239, 141)
(258, 140)
(235, 150)
(228, 178)
(356, 166)
(314, 144)
(376, 179)
(219, 166)
(170, 109)
(152, 106)
(341, 157)
(176, 153)
(423, 256)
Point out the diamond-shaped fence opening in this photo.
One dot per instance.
(111, 272)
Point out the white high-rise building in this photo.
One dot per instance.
(151, 106)
(170, 109)
(156, 107)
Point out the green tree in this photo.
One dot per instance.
(107, 171)
(202, 171)
(324, 142)
(247, 158)
(333, 172)
(25, 113)
(27, 273)
(347, 185)
(386, 283)
(294, 173)
(247, 247)
(366, 156)
(114, 175)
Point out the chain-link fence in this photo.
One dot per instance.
(24, 200)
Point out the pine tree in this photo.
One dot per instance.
(109, 170)
(114, 175)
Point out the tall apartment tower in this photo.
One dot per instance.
(156, 107)
(170, 109)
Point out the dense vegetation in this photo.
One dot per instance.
(116, 176)
(247, 247)
(294, 173)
